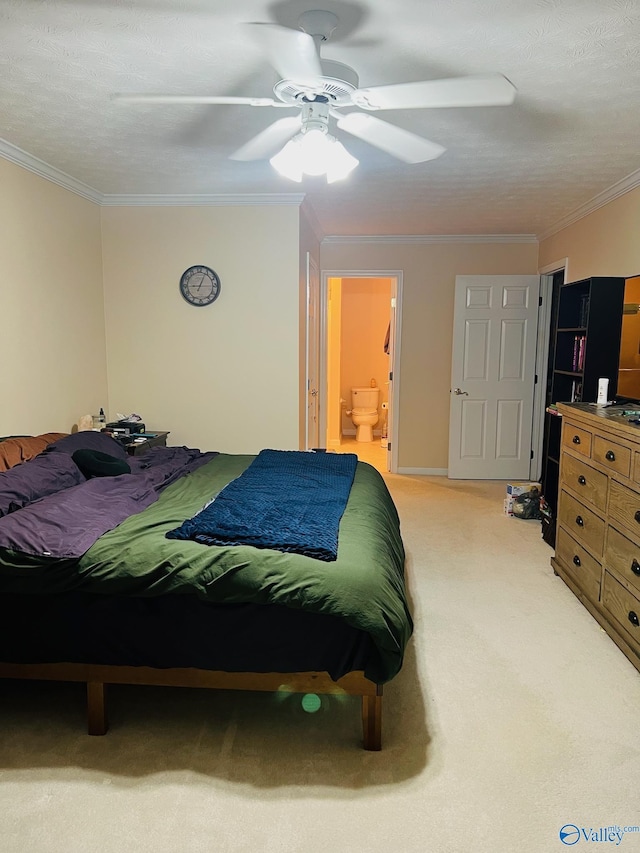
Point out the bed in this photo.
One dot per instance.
(103, 580)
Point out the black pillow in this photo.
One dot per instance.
(93, 463)
(87, 439)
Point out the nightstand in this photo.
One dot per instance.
(137, 448)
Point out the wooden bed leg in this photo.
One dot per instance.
(96, 708)
(372, 720)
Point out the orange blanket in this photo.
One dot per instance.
(16, 450)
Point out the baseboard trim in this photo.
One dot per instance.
(429, 472)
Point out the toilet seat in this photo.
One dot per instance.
(364, 411)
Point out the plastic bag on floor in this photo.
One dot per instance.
(527, 505)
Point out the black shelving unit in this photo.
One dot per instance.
(586, 323)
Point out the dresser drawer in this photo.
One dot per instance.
(624, 506)
(582, 567)
(577, 439)
(583, 524)
(614, 456)
(623, 556)
(624, 608)
(636, 466)
(589, 484)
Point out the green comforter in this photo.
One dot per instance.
(364, 586)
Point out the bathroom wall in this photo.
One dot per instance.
(334, 322)
(365, 304)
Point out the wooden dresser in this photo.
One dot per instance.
(598, 523)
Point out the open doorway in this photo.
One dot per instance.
(361, 344)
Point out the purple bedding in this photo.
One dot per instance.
(41, 527)
(42, 476)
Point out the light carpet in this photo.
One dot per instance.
(514, 715)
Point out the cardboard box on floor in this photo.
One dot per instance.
(515, 489)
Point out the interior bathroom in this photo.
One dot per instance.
(358, 317)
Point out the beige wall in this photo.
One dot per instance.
(223, 377)
(52, 345)
(603, 243)
(429, 271)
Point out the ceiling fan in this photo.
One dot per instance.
(321, 89)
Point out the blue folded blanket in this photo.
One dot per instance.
(288, 500)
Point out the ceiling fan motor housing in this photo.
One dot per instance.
(338, 85)
(315, 116)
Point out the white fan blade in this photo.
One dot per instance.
(394, 140)
(269, 140)
(291, 52)
(481, 91)
(197, 99)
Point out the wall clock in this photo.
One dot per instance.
(200, 285)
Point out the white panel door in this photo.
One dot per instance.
(492, 376)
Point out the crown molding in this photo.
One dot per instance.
(618, 189)
(421, 239)
(16, 155)
(33, 164)
(44, 170)
(214, 200)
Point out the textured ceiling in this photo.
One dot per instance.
(571, 134)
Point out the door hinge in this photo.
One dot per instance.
(531, 454)
(389, 446)
(391, 376)
(535, 379)
(539, 301)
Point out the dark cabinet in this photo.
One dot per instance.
(586, 323)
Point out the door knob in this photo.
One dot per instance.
(459, 391)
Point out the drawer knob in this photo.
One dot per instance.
(582, 480)
(576, 439)
(579, 521)
(633, 618)
(576, 560)
(635, 567)
(636, 515)
(610, 456)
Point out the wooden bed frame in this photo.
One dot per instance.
(97, 677)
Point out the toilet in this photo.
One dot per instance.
(364, 411)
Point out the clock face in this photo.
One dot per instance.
(200, 285)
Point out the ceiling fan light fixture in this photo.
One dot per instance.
(341, 162)
(314, 152)
(288, 161)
